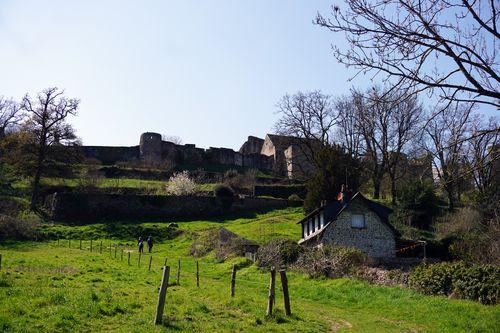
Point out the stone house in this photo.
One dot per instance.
(351, 222)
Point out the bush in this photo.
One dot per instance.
(330, 261)
(181, 184)
(294, 197)
(223, 191)
(475, 282)
(240, 183)
(19, 228)
(278, 253)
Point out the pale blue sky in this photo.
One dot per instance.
(209, 72)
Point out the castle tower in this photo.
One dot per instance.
(150, 147)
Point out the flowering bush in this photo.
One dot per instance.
(181, 184)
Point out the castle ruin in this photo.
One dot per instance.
(273, 154)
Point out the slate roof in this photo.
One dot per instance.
(335, 208)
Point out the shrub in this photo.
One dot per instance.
(181, 184)
(330, 261)
(223, 191)
(240, 183)
(476, 282)
(278, 253)
(294, 197)
(18, 228)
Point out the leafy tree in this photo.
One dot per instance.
(418, 204)
(336, 167)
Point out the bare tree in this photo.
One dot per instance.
(48, 113)
(311, 117)
(482, 153)
(172, 138)
(386, 120)
(445, 46)
(10, 115)
(347, 132)
(445, 137)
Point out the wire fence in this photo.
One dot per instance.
(183, 272)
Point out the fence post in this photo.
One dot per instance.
(128, 258)
(161, 295)
(80, 243)
(121, 254)
(233, 280)
(115, 251)
(271, 292)
(165, 262)
(139, 260)
(197, 274)
(150, 259)
(178, 271)
(100, 247)
(110, 250)
(286, 296)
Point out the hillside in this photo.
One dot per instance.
(50, 287)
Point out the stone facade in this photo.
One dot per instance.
(359, 223)
(376, 239)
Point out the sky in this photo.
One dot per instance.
(210, 72)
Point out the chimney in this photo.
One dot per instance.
(343, 195)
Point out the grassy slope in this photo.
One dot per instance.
(52, 288)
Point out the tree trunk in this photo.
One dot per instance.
(376, 186)
(393, 188)
(38, 174)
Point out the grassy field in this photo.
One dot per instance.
(156, 185)
(50, 287)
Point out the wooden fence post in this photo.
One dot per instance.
(178, 271)
(115, 251)
(286, 296)
(91, 245)
(197, 274)
(139, 260)
(128, 258)
(270, 302)
(100, 247)
(121, 254)
(233, 280)
(110, 250)
(150, 259)
(161, 295)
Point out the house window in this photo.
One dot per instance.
(358, 221)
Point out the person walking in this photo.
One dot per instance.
(140, 243)
(150, 243)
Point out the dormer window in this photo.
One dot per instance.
(358, 221)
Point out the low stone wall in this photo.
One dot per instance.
(94, 206)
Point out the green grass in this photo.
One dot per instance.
(156, 185)
(50, 287)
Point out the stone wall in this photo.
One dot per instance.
(95, 206)
(253, 145)
(111, 155)
(376, 239)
